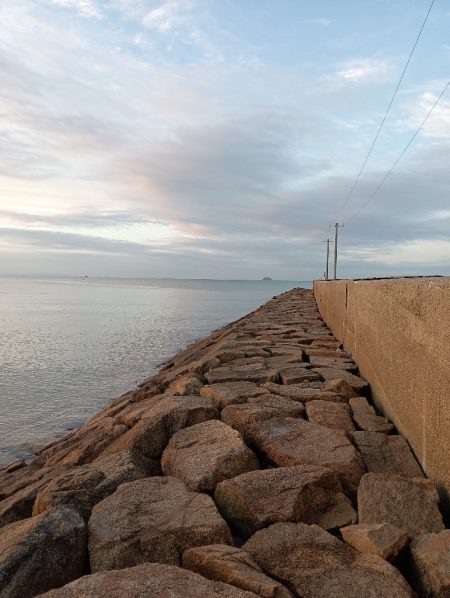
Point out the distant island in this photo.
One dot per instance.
(267, 278)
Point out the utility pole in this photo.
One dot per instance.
(336, 229)
(328, 258)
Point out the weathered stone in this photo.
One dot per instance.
(373, 423)
(82, 487)
(220, 562)
(83, 445)
(247, 363)
(153, 431)
(382, 539)
(20, 489)
(226, 374)
(340, 387)
(409, 503)
(41, 553)
(288, 442)
(283, 361)
(430, 556)
(339, 515)
(330, 415)
(298, 392)
(149, 580)
(361, 406)
(298, 375)
(11, 467)
(257, 499)
(387, 454)
(335, 363)
(315, 564)
(229, 393)
(205, 454)
(258, 409)
(152, 520)
(357, 383)
(366, 418)
(335, 353)
(188, 386)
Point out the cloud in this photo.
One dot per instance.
(363, 70)
(419, 252)
(323, 21)
(438, 125)
(170, 15)
(86, 8)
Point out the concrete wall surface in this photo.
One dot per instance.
(398, 331)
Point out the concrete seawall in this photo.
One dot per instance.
(398, 332)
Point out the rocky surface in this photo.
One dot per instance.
(257, 499)
(410, 504)
(220, 476)
(383, 539)
(311, 562)
(287, 442)
(155, 520)
(145, 581)
(205, 454)
(234, 566)
(41, 552)
(430, 554)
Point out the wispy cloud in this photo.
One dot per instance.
(364, 70)
(170, 15)
(86, 8)
(323, 21)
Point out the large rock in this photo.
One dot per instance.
(152, 520)
(430, 556)
(257, 499)
(259, 409)
(227, 374)
(340, 387)
(298, 374)
(383, 539)
(20, 488)
(83, 445)
(41, 553)
(205, 454)
(220, 562)
(298, 392)
(366, 419)
(411, 504)
(358, 384)
(331, 415)
(288, 442)
(165, 416)
(149, 580)
(82, 487)
(387, 454)
(339, 363)
(229, 393)
(315, 564)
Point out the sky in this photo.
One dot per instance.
(220, 138)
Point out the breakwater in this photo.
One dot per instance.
(252, 464)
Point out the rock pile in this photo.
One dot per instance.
(252, 464)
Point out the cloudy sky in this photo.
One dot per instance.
(219, 138)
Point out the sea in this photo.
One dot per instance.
(71, 345)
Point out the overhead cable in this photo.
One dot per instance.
(403, 152)
(350, 193)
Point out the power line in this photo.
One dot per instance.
(403, 152)
(350, 193)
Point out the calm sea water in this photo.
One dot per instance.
(68, 347)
